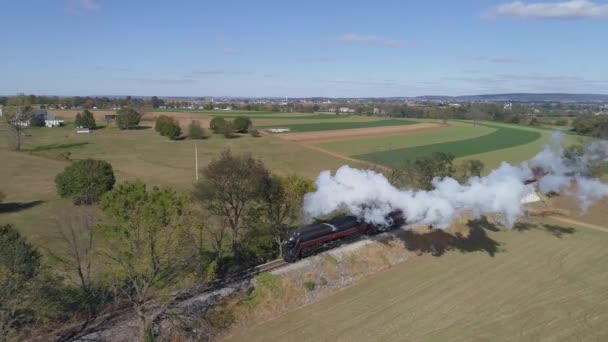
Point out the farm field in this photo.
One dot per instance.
(544, 283)
(27, 177)
(455, 131)
(502, 137)
(329, 126)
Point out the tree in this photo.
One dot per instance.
(156, 102)
(86, 119)
(146, 235)
(242, 124)
(85, 181)
(167, 127)
(470, 168)
(231, 185)
(438, 164)
(17, 115)
(228, 130)
(75, 228)
(217, 124)
(19, 268)
(282, 199)
(128, 118)
(195, 131)
(208, 106)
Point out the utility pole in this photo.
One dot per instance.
(196, 161)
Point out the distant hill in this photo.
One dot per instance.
(523, 97)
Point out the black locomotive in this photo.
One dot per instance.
(312, 238)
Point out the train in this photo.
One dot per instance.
(313, 238)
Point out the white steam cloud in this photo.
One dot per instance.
(369, 194)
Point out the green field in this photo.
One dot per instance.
(327, 126)
(503, 137)
(456, 131)
(544, 283)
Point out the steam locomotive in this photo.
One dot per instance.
(313, 238)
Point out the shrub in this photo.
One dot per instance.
(211, 271)
(228, 130)
(85, 181)
(323, 281)
(255, 133)
(167, 127)
(128, 118)
(242, 124)
(217, 124)
(309, 285)
(195, 131)
(561, 122)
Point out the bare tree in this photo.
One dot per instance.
(17, 116)
(75, 228)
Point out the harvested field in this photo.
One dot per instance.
(349, 134)
(538, 282)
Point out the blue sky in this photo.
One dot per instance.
(302, 48)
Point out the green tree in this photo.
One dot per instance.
(19, 268)
(167, 127)
(146, 233)
(208, 106)
(282, 199)
(127, 118)
(217, 124)
(85, 181)
(195, 131)
(438, 164)
(17, 115)
(242, 124)
(85, 119)
(230, 187)
(228, 130)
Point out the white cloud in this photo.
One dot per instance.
(81, 6)
(573, 9)
(371, 39)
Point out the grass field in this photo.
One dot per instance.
(545, 283)
(502, 137)
(329, 126)
(27, 177)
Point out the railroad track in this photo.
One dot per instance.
(122, 310)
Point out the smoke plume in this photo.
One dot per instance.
(369, 194)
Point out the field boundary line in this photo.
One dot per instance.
(578, 223)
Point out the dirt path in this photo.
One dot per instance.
(356, 133)
(578, 223)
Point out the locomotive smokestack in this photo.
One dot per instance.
(369, 194)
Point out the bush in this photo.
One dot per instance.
(85, 181)
(85, 119)
(255, 133)
(217, 124)
(195, 131)
(167, 127)
(561, 122)
(309, 285)
(228, 130)
(128, 118)
(242, 124)
(211, 271)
